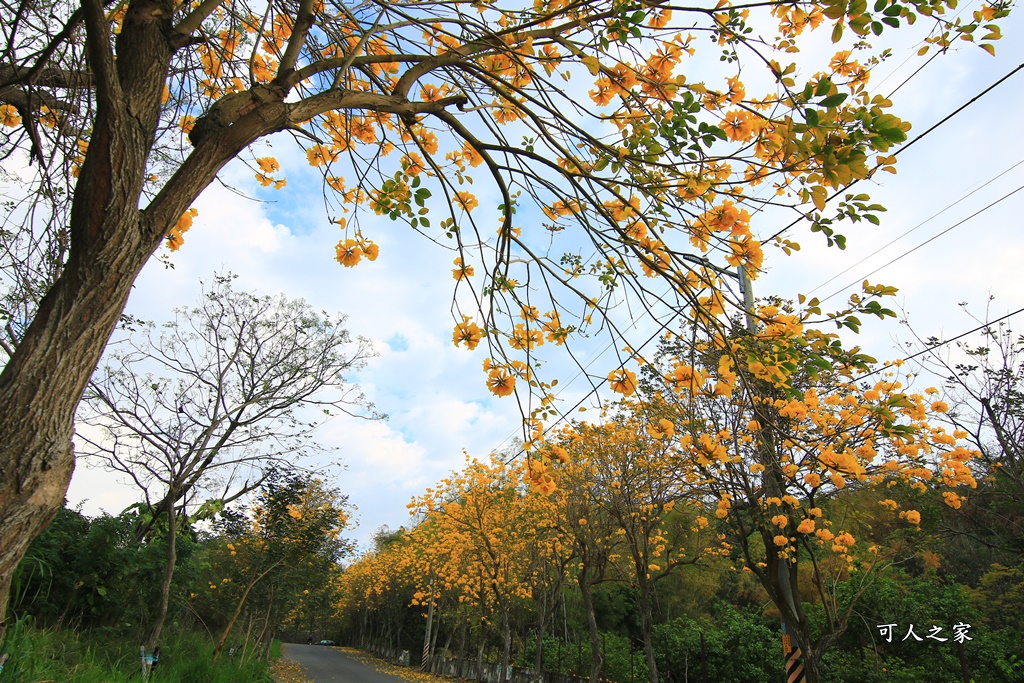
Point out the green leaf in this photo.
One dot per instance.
(834, 100)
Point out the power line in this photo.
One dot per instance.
(662, 326)
(930, 239)
(912, 54)
(931, 129)
(911, 76)
(922, 223)
(873, 372)
(948, 341)
(910, 144)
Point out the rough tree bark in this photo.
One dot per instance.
(112, 238)
(42, 383)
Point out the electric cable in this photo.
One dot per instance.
(910, 144)
(904, 234)
(927, 241)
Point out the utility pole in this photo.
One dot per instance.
(791, 653)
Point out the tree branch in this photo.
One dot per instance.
(101, 56)
(192, 21)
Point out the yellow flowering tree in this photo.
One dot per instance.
(635, 478)
(586, 523)
(140, 105)
(294, 521)
(984, 378)
(497, 533)
(376, 589)
(235, 370)
(780, 428)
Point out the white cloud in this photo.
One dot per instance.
(435, 393)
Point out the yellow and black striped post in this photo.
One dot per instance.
(794, 667)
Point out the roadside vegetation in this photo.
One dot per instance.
(69, 655)
(881, 523)
(87, 594)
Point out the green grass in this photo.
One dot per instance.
(68, 656)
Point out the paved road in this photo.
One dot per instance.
(330, 665)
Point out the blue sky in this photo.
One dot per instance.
(434, 393)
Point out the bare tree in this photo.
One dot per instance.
(226, 393)
(984, 385)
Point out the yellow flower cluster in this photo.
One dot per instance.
(350, 251)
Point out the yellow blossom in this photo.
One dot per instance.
(622, 381)
(461, 271)
(500, 382)
(467, 332)
(9, 116)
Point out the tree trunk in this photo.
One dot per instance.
(270, 645)
(245, 638)
(646, 626)
(538, 654)
(462, 642)
(263, 631)
(432, 650)
(367, 631)
(238, 610)
(111, 240)
(165, 585)
(444, 653)
(597, 657)
(809, 656)
(506, 648)
(784, 589)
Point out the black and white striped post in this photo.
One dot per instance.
(425, 660)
